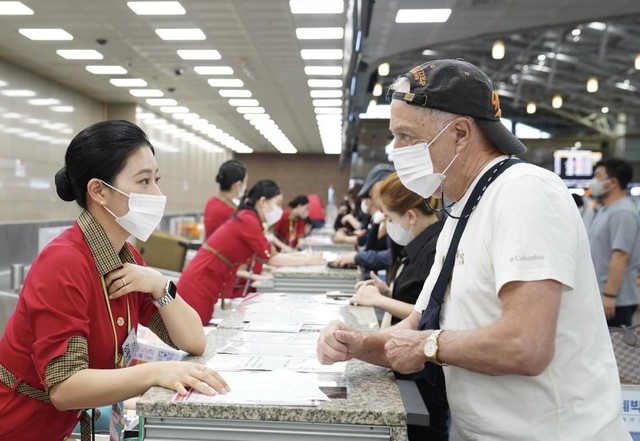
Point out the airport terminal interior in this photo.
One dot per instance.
(297, 92)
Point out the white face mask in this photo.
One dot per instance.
(415, 168)
(273, 216)
(144, 215)
(597, 188)
(398, 233)
(364, 206)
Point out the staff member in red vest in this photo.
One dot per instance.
(68, 343)
(293, 224)
(232, 178)
(238, 240)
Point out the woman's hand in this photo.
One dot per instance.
(367, 295)
(180, 375)
(135, 278)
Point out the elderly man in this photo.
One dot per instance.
(523, 338)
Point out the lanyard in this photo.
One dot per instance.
(117, 359)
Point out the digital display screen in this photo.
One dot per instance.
(575, 164)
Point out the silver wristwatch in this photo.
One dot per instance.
(170, 292)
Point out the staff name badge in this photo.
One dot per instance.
(130, 347)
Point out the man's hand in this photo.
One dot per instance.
(338, 342)
(609, 304)
(405, 350)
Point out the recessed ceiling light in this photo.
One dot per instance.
(14, 8)
(327, 103)
(62, 109)
(328, 110)
(46, 34)
(316, 7)
(235, 93)
(174, 109)
(43, 101)
(186, 116)
(80, 54)
(326, 94)
(199, 54)
(225, 82)
(128, 82)
(213, 70)
(146, 92)
(256, 116)
(157, 8)
(323, 70)
(243, 102)
(319, 33)
(321, 54)
(18, 92)
(181, 34)
(107, 70)
(422, 15)
(250, 109)
(162, 102)
(325, 83)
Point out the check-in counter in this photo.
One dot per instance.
(365, 401)
(321, 242)
(313, 279)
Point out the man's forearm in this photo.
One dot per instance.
(617, 269)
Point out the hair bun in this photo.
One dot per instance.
(64, 188)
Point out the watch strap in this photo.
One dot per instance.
(170, 292)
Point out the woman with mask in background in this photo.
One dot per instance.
(68, 344)
(232, 178)
(415, 227)
(240, 239)
(293, 226)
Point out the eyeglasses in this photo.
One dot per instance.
(407, 97)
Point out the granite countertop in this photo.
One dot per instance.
(313, 310)
(372, 397)
(314, 272)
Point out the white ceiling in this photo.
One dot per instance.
(257, 39)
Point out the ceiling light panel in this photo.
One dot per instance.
(46, 34)
(174, 109)
(107, 70)
(199, 54)
(326, 94)
(213, 70)
(325, 83)
(422, 15)
(316, 7)
(225, 82)
(323, 70)
(243, 102)
(157, 8)
(80, 54)
(320, 33)
(181, 34)
(146, 93)
(14, 8)
(18, 92)
(162, 102)
(235, 93)
(43, 102)
(128, 82)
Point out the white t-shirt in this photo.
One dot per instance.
(526, 228)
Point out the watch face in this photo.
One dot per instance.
(430, 348)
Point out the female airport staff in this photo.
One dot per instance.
(67, 345)
(238, 240)
(415, 227)
(293, 224)
(232, 178)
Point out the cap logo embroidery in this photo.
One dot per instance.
(419, 75)
(495, 102)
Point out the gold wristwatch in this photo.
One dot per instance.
(431, 347)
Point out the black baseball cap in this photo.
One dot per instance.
(459, 87)
(376, 174)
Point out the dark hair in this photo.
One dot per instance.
(578, 200)
(229, 173)
(264, 187)
(619, 169)
(99, 151)
(300, 200)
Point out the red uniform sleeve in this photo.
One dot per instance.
(253, 235)
(281, 228)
